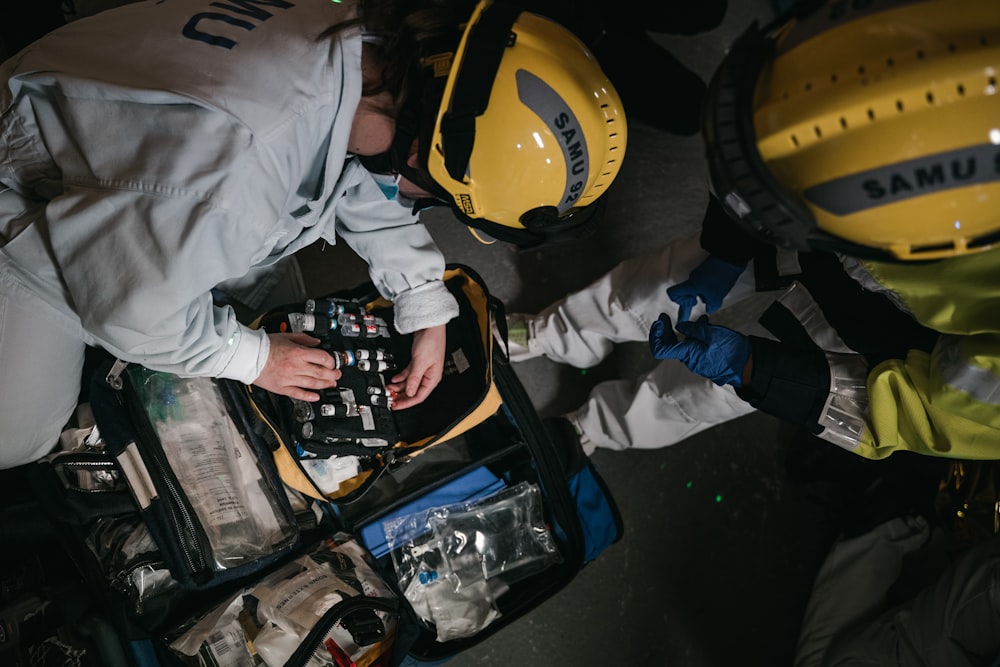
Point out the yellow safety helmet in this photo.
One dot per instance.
(530, 132)
(869, 128)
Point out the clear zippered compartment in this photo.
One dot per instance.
(98, 508)
(216, 468)
(207, 494)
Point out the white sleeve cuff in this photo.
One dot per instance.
(250, 355)
(428, 305)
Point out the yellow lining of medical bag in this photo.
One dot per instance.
(491, 400)
(488, 404)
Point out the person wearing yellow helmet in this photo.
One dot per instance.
(515, 127)
(853, 152)
(153, 153)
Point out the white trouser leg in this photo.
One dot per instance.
(661, 408)
(853, 581)
(41, 360)
(622, 305)
(667, 404)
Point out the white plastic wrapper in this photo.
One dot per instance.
(266, 623)
(453, 562)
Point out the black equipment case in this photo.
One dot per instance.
(433, 527)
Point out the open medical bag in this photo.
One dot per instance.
(196, 504)
(337, 447)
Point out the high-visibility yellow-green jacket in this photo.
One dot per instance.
(896, 356)
(945, 402)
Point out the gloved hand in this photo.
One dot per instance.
(710, 281)
(714, 352)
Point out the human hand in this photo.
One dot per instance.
(714, 352)
(711, 281)
(415, 382)
(294, 366)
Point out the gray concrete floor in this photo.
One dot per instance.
(719, 549)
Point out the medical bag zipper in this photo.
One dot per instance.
(184, 527)
(549, 469)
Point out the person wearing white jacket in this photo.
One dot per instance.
(154, 151)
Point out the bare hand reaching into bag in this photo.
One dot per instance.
(295, 366)
(415, 382)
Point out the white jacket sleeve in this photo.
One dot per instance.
(171, 163)
(146, 296)
(404, 263)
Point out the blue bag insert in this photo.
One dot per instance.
(600, 523)
(473, 485)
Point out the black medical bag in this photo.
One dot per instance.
(201, 520)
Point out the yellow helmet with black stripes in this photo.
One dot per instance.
(870, 128)
(530, 132)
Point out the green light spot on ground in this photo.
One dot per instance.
(689, 485)
(718, 498)
(583, 371)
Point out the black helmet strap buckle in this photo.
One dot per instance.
(543, 230)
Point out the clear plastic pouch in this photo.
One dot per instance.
(453, 562)
(131, 560)
(124, 549)
(215, 466)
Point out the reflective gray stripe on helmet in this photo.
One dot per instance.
(976, 381)
(905, 180)
(554, 112)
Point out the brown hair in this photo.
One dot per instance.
(405, 31)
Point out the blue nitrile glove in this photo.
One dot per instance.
(714, 352)
(710, 281)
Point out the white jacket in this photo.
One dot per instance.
(151, 152)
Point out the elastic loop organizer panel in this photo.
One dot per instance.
(474, 401)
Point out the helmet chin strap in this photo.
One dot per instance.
(396, 161)
(423, 180)
(414, 124)
(479, 238)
